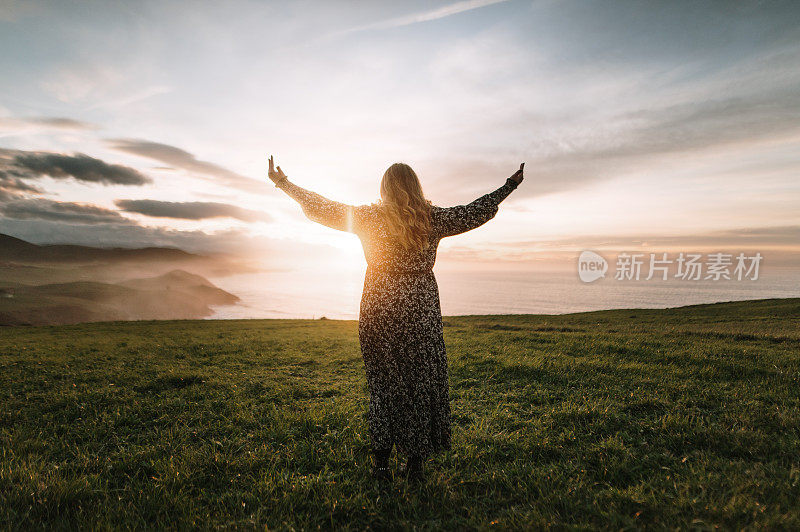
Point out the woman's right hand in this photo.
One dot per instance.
(273, 175)
(517, 177)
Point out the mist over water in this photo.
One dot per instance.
(299, 294)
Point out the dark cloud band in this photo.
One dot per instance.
(59, 211)
(79, 166)
(25, 124)
(14, 187)
(192, 210)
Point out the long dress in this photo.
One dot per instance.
(400, 319)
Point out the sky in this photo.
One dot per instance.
(643, 125)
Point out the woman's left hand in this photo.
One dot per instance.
(273, 175)
(517, 177)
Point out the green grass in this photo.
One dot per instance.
(638, 418)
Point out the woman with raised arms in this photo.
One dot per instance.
(400, 320)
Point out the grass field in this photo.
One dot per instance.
(620, 419)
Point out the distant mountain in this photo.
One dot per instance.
(184, 282)
(59, 284)
(175, 295)
(17, 250)
(174, 279)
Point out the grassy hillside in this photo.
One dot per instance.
(633, 418)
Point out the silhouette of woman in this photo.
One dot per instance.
(400, 319)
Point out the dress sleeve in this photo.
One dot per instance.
(322, 210)
(463, 218)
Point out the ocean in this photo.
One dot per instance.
(336, 294)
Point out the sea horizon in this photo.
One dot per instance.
(337, 294)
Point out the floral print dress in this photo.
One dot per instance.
(400, 319)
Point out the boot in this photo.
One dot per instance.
(412, 470)
(380, 466)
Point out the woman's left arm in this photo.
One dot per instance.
(317, 208)
(462, 218)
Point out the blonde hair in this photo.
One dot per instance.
(406, 211)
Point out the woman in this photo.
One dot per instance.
(400, 321)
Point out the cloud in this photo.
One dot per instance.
(64, 123)
(59, 211)
(635, 140)
(192, 210)
(699, 125)
(591, 109)
(31, 165)
(14, 187)
(134, 97)
(424, 16)
(25, 125)
(747, 238)
(100, 85)
(179, 158)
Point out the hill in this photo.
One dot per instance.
(627, 419)
(174, 295)
(32, 264)
(59, 284)
(17, 250)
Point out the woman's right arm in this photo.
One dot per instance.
(321, 209)
(463, 218)
(317, 208)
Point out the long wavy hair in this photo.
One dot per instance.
(406, 211)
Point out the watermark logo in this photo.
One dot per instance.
(662, 266)
(591, 266)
